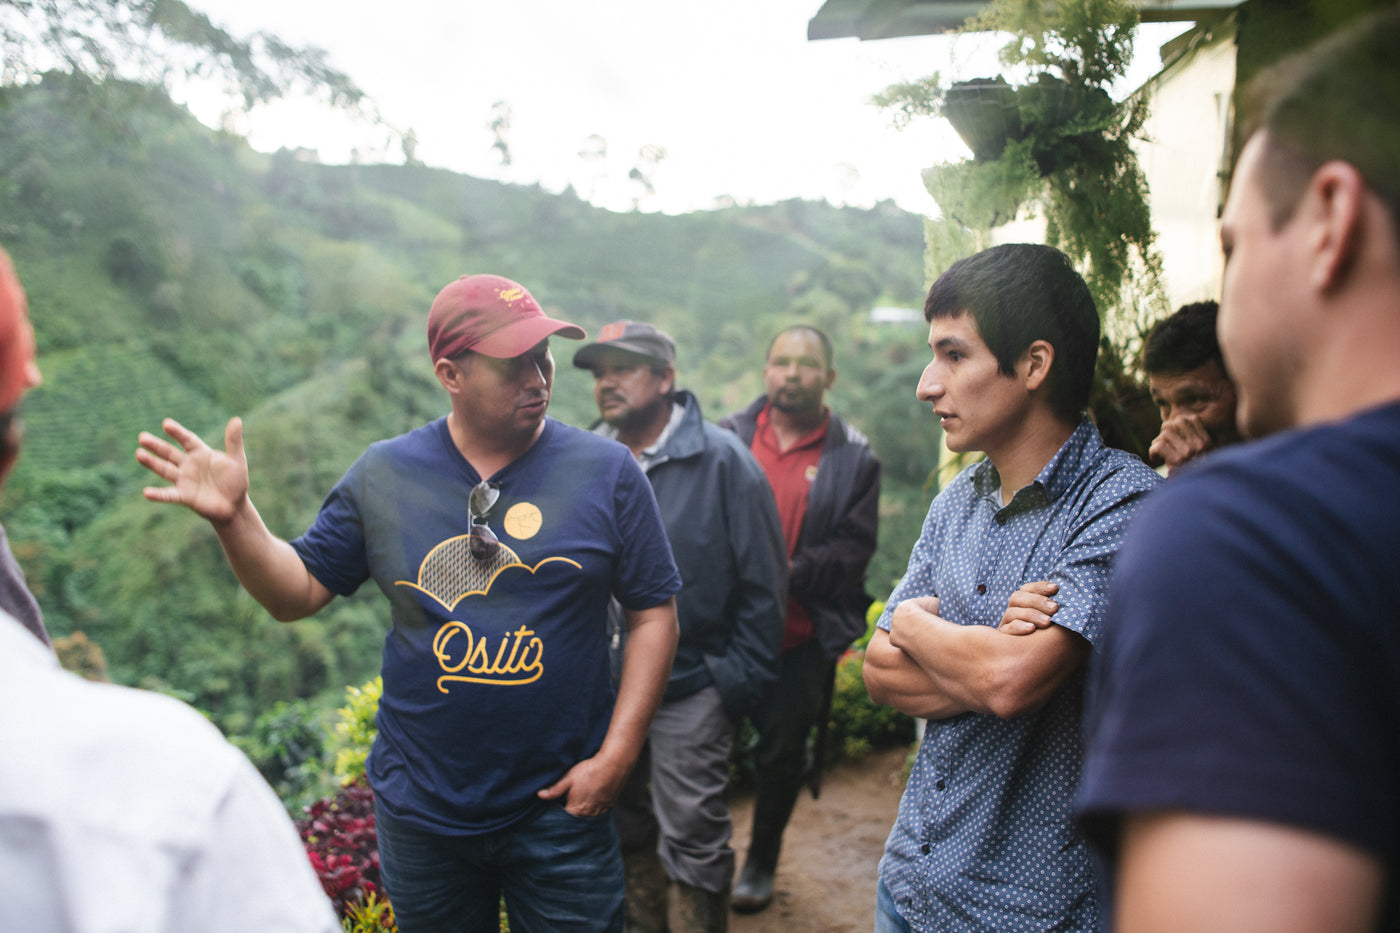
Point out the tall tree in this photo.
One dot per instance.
(155, 43)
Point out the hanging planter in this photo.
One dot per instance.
(1058, 117)
(985, 114)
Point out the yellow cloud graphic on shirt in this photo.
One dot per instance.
(449, 574)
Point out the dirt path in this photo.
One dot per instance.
(831, 850)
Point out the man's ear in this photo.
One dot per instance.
(1334, 203)
(669, 385)
(830, 378)
(1037, 360)
(448, 375)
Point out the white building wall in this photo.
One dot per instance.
(1184, 157)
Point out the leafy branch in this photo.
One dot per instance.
(1056, 143)
(154, 42)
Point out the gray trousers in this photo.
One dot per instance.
(675, 798)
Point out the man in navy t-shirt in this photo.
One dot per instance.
(498, 536)
(1243, 763)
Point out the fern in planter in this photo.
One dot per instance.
(1056, 143)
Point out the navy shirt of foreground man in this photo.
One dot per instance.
(1243, 767)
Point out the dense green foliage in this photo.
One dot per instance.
(1055, 143)
(181, 274)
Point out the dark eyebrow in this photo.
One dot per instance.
(950, 343)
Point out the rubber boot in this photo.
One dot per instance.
(754, 890)
(645, 894)
(695, 910)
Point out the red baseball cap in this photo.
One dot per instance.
(492, 316)
(18, 371)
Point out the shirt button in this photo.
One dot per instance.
(981, 588)
(939, 785)
(925, 848)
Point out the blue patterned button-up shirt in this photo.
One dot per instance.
(984, 839)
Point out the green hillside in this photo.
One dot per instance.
(172, 271)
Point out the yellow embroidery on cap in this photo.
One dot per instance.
(511, 294)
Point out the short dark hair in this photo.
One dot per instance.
(1019, 293)
(806, 329)
(1184, 340)
(1338, 99)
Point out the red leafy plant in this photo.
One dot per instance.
(341, 843)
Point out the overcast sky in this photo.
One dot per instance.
(742, 104)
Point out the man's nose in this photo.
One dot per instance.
(930, 385)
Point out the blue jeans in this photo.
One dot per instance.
(887, 919)
(557, 872)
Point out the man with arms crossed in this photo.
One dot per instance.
(724, 532)
(984, 839)
(1243, 768)
(1190, 386)
(827, 483)
(498, 536)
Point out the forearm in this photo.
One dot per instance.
(1184, 872)
(983, 669)
(893, 679)
(652, 635)
(269, 568)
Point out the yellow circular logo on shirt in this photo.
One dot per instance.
(522, 521)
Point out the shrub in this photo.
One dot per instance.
(372, 915)
(287, 744)
(355, 730)
(857, 724)
(341, 843)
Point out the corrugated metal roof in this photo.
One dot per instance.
(887, 19)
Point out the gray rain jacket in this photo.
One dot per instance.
(723, 525)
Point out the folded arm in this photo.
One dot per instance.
(928, 663)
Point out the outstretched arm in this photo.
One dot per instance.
(214, 485)
(1190, 873)
(591, 786)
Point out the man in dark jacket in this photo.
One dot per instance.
(827, 484)
(724, 531)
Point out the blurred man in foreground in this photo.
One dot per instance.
(122, 809)
(1243, 767)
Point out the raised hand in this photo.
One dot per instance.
(1183, 438)
(211, 482)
